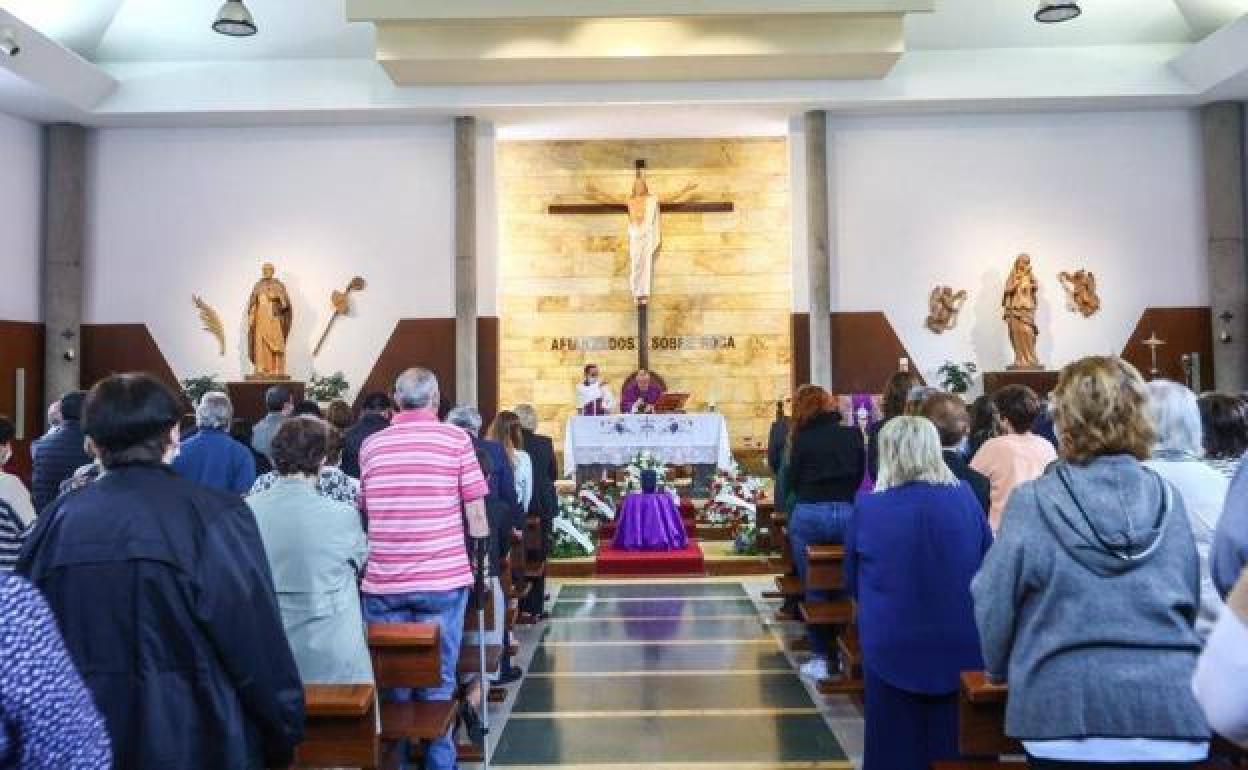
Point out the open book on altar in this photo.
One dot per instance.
(671, 402)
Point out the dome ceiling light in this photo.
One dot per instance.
(234, 20)
(1052, 12)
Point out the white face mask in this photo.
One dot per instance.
(6, 454)
(592, 380)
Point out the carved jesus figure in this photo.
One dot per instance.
(1019, 309)
(644, 233)
(268, 325)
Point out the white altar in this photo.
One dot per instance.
(678, 439)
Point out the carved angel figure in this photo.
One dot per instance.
(1081, 296)
(944, 305)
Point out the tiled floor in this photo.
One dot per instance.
(685, 674)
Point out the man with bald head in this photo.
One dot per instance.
(641, 394)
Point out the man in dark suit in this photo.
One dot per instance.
(375, 416)
(952, 420)
(545, 500)
(58, 455)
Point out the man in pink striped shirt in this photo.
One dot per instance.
(419, 481)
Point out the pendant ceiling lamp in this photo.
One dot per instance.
(1051, 12)
(234, 20)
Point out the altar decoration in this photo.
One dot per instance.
(733, 503)
(575, 529)
(650, 521)
(646, 472)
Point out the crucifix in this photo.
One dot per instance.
(1154, 342)
(644, 209)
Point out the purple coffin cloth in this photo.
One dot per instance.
(649, 523)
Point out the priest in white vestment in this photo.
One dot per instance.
(592, 395)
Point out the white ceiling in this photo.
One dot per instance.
(308, 64)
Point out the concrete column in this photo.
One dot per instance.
(466, 261)
(1225, 172)
(64, 237)
(818, 256)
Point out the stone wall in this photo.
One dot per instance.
(722, 274)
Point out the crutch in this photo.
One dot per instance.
(480, 563)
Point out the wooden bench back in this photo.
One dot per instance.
(406, 654)
(340, 727)
(825, 569)
(981, 718)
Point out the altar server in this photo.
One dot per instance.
(592, 395)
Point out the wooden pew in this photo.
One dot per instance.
(340, 727)
(982, 739)
(826, 572)
(409, 655)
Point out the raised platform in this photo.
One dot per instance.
(613, 563)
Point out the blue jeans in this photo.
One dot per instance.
(817, 524)
(446, 609)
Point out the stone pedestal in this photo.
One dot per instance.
(248, 397)
(1038, 380)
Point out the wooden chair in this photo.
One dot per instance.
(340, 727)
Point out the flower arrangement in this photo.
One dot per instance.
(574, 530)
(578, 521)
(196, 387)
(327, 388)
(641, 463)
(955, 378)
(733, 503)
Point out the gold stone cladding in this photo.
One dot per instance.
(715, 273)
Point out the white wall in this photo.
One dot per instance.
(921, 201)
(176, 212)
(21, 188)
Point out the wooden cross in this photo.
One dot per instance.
(676, 206)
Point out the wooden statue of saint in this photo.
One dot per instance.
(1018, 304)
(269, 316)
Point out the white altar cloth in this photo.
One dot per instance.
(679, 439)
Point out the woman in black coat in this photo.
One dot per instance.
(824, 471)
(163, 593)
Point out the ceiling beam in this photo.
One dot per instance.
(54, 70)
(424, 10)
(1219, 58)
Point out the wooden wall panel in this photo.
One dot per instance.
(116, 348)
(427, 342)
(487, 368)
(21, 347)
(865, 351)
(799, 330)
(1184, 330)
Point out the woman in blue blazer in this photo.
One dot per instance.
(912, 547)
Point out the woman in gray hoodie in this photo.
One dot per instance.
(1087, 601)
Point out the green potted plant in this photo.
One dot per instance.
(957, 378)
(325, 389)
(196, 387)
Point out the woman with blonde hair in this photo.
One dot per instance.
(1087, 602)
(506, 430)
(911, 550)
(823, 471)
